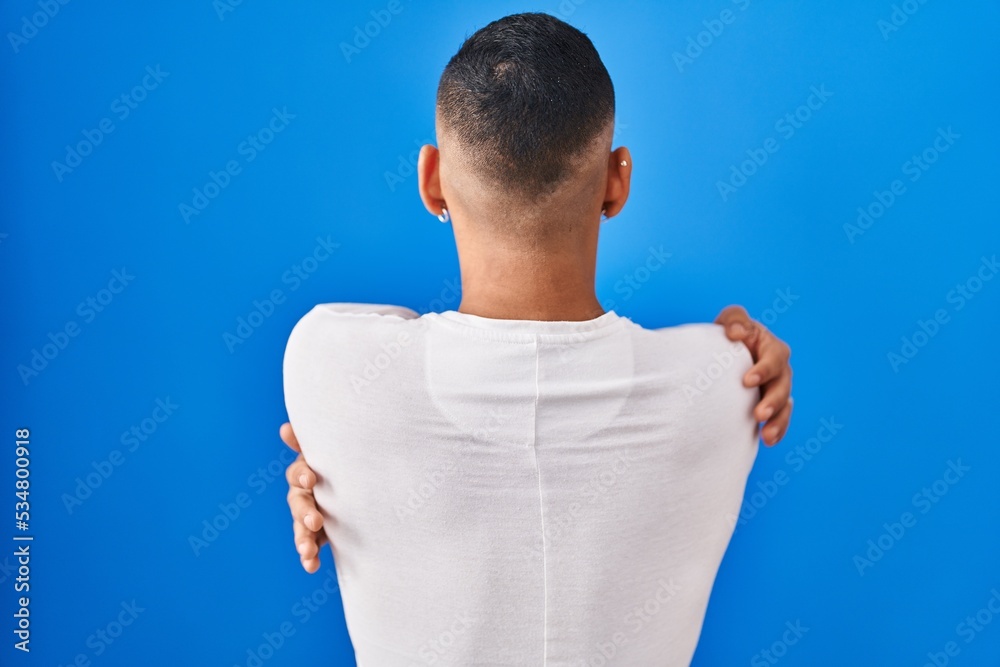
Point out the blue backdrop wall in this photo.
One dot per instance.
(181, 182)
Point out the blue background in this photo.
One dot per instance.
(339, 171)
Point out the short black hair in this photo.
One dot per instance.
(526, 94)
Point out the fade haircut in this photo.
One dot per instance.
(525, 95)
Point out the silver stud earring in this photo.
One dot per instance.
(623, 163)
(445, 216)
(603, 216)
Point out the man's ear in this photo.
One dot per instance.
(429, 178)
(619, 181)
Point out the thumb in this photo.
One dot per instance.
(288, 437)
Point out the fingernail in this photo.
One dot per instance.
(309, 520)
(303, 479)
(754, 379)
(737, 329)
(766, 414)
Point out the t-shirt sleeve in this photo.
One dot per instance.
(709, 371)
(368, 309)
(323, 348)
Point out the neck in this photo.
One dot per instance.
(514, 284)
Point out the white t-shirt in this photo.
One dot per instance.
(521, 492)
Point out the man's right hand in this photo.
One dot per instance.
(307, 519)
(771, 371)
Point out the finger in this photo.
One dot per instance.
(771, 357)
(774, 430)
(303, 507)
(310, 565)
(775, 397)
(731, 314)
(305, 541)
(736, 322)
(300, 475)
(308, 548)
(288, 436)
